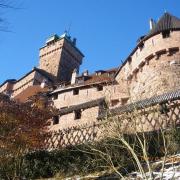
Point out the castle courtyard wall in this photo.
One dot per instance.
(88, 117)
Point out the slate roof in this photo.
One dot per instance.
(166, 22)
(160, 99)
(107, 77)
(90, 104)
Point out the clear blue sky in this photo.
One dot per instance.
(106, 30)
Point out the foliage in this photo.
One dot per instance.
(22, 129)
(94, 157)
(67, 161)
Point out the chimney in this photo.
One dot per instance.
(43, 84)
(152, 24)
(85, 73)
(74, 41)
(74, 75)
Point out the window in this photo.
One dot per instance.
(99, 88)
(141, 46)
(165, 34)
(77, 114)
(75, 91)
(55, 96)
(114, 102)
(55, 120)
(129, 60)
(124, 101)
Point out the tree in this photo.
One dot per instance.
(122, 153)
(22, 130)
(4, 6)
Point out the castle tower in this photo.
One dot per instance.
(153, 67)
(60, 56)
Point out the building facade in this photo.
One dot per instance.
(152, 68)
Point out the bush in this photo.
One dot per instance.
(85, 158)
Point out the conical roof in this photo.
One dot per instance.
(166, 22)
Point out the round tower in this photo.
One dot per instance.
(153, 67)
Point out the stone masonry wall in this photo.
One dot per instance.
(50, 57)
(88, 116)
(60, 59)
(23, 84)
(4, 88)
(142, 120)
(111, 92)
(150, 70)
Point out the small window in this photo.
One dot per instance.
(55, 120)
(75, 91)
(114, 102)
(55, 96)
(165, 34)
(77, 114)
(141, 46)
(124, 101)
(99, 88)
(129, 60)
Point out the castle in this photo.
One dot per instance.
(151, 69)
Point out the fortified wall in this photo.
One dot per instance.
(153, 67)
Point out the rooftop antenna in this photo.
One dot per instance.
(69, 28)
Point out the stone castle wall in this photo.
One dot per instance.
(33, 78)
(49, 57)
(88, 116)
(141, 120)
(7, 88)
(23, 84)
(4, 88)
(111, 92)
(154, 68)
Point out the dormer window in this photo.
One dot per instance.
(99, 88)
(75, 91)
(165, 34)
(55, 120)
